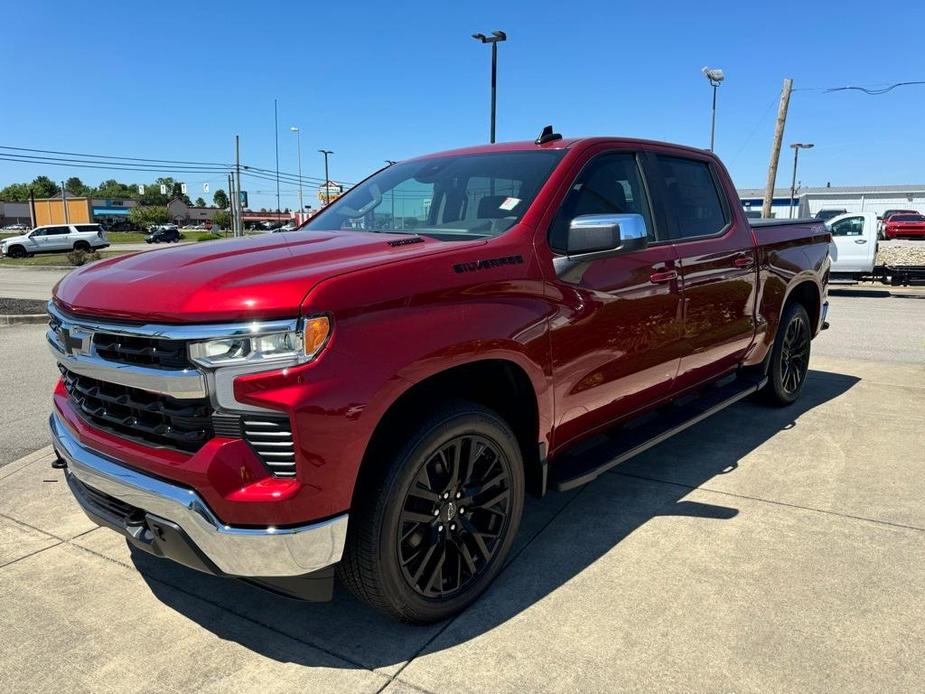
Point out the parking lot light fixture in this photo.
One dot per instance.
(796, 146)
(495, 38)
(715, 76)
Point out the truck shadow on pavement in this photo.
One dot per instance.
(560, 536)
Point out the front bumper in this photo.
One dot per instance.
(175, 522)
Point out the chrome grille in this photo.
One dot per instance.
(271, 438)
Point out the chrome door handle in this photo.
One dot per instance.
(860, 240)
(663, 276)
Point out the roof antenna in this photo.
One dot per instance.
(547, 136)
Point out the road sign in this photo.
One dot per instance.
(183, 188)
(163, 189)
(141, 190)
(242, 196)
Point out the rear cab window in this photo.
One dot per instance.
(694, 205)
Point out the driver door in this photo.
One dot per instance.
(854, 243)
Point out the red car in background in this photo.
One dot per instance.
(904, 225)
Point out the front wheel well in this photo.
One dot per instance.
(497, 384)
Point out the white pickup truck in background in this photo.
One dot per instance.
(55, 238)
(854, 256)
(855, 237)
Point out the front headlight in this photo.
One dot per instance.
(298, 346)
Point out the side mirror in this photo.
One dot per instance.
(609, 234)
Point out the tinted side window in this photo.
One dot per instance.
(850, 226)
(57, 231)
(692, 201)
(88, 227)
(609, 184)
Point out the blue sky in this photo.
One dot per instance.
(380, 80)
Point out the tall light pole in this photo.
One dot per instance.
(276, 138)
(715, 76)
(298, 136)
(495, 38)
(797, 146)
(327, 179)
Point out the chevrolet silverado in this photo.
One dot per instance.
(372, 396)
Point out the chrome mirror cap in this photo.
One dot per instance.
(606, 234)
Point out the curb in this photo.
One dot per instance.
(23, 319)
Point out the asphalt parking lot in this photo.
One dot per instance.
(762, 550)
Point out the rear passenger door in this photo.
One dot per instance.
(57, 238)
(717, 263)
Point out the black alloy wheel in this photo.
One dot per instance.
(16, 252)
(453, 516)
(794, 356)
(435, 514)
(789, 358)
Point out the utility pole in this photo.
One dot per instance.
(64, 202)
(298, 139)
(237, 168)
(327, 179)
(775, 146)
(276, 135)
(231, 208)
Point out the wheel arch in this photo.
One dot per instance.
(807, 293)
(500, 384)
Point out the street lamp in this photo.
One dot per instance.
(327, 180)
(797, 146)
(495, 38)
(715, 76)
(298, 135)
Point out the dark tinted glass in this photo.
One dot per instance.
(88, 227)
(55, 231)
(609, 184)
(692, 203)
(849, 226)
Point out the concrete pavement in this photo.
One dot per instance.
(762, 550)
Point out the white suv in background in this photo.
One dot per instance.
(55, 238)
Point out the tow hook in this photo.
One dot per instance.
(59, 463)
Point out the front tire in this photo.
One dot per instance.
(430, 532)
(789, 357)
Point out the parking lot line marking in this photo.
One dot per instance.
(770, 501)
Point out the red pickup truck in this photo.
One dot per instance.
(378, 391)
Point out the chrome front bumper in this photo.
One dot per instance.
(246, 552)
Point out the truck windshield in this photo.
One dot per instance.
(449, 198)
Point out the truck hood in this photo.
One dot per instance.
(230, 280)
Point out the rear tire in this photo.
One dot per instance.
(430, 531)
(789, 357)
(81, 246)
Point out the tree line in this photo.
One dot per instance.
(111, 189)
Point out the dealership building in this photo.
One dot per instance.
(809, 201)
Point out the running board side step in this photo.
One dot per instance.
(575, 468)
